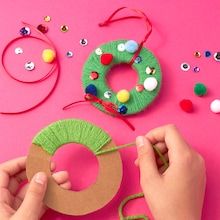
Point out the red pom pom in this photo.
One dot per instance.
(186, 105)
(106, 58)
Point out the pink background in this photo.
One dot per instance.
(180, 28)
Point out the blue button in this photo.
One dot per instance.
(122, 109)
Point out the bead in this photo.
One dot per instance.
(69, 54)
(196, 69)
(29, 66)
(106, 58)
(208, 54)
(139, 88)
(217, 56)
(138, 59)
(108, 94)
(42, 28)
(122, 109)
(131, 46)
(186, 105)
(98, 51)
(123, 95)
(64, 28)
(150, 83)
(197, 54)
(215, 106)
(91, 89)
(83, 42)
(25, 31)
(150, 70)
(47, 18)
(18, 50)
(121, 47)
(48, 55)
(185, 67)
(200, 89)
(94, 75)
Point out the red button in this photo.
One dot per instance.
(94, 75)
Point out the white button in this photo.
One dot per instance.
(98, 51)
(29, 66)
(150, 83)
(18, 50)
(121, 47)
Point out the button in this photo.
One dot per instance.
(69, 54)
(29, 66)
(150, 70)
(185, 67)
(18, 50)
(98, 51)
(208, 53)
(123, 95)
(196, 69)
(138, 59)
(91, 89)
(42, 28)
(47, 18)
(217, 56)
(122, 109)
(150, 83)
(48, 55)
(83, 42)
(25, 31)
(131, 46)
(139, 88)
(94, 75)
(64, 28)
(121, 47)
(197, 54)
(108, 94)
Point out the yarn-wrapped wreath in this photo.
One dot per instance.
(109, 177)
(103, 58)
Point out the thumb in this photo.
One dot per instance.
(32, 204)
(146, 160)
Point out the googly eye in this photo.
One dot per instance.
(25, 31)
(217, 56)
(185, 67)
(18, 50)
(29, 66)
(83, 42)
(69, 54)
(121, 47)
(108, 94)
(98, 51)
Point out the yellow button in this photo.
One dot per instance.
(48, 55)
(123, 95)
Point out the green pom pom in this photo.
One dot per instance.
(200, 89)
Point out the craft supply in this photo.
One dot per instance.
(29, 66)
(47, 18)
(215, 106)
(186, 105)
(42, 28)
(217, 56)
(54, 68)
(48, 55)
(196, 69)
(69, 54)
(18, 50)
(25, 31)
(83, 42)
(109, 177)
(200, 89)
(64, 28)
(197, 54)
(185, 67)
(208, 54)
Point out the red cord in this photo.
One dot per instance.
(55, 67)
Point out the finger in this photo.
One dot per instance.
(66, 185)
(61, 177)
(147, 161)
(160, 162)
(33, 201)
(52, 166)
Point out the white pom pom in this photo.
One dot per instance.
(215, 106)
(150, 83)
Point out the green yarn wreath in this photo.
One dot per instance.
(138, 100)
(71, 131)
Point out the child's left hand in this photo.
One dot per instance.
(25, 203)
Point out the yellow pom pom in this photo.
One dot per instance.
(123, 95)
(48, 55)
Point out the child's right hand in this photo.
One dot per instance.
(177, 193)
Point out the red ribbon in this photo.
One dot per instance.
(142, 15)
(109, 107)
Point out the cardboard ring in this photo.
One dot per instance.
(83, 202)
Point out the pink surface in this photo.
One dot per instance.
(180, 28)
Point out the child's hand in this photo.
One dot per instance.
(27, 203)
(177, 193)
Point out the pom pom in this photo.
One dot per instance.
(48, 55)
(123, 96)
(215, 106)
(186, 105)
(91, 89)
(200, 89)
(106, 58)
(150, 83)
(131, 46)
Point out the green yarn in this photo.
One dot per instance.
(71, 131)
(124, 202)
(200, 89)
(138, 100)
